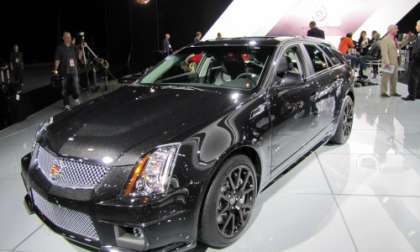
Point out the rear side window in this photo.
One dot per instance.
(339, 56)
(317, 58)
(335, 60)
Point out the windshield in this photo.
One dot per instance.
(237, 67)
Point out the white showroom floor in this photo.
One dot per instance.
(363, 196)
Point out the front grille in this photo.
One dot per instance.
(73, 221)
(70, 172)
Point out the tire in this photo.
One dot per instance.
(345, 122)
(229, 203)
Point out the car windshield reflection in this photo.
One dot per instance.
(239, 67)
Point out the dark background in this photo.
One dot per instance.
(114, 28)
(37, 27)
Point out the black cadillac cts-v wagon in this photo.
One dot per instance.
(180, 155)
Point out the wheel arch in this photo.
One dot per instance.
(351, 94)
(248, 151)
(245, 150)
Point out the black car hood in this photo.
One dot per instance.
(107, 127)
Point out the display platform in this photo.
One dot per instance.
(363, 196)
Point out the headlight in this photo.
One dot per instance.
(39, 131)
(153, 173)
(43, 127)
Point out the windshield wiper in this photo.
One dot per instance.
(189, 88)
(195, 75)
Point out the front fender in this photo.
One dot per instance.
(203, 153)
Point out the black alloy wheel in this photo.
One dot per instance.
(348, 119)
(236, 199)
(345, 122)
(229, 202)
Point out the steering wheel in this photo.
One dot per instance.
(245, 76)
(248, 76)
(257, 64)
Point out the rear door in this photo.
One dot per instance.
(324, 87)
(340, 74)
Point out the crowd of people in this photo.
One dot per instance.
(380, 53)
(167, 46)
(384, 50)
(384, 55)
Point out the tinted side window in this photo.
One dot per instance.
(317, 58)
(330, 53)
(293, 57)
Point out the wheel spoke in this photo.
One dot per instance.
(227, 223)
(248, 191)
(231, 183)
(245, 182)
(233, 224)
(224, 210)
(247, 206)
(238, 179)
(241, 217)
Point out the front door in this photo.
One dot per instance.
(292, 110)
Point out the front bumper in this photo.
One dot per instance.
(113, 224)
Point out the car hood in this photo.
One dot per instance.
(107, 127)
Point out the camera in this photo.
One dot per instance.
(80, 38)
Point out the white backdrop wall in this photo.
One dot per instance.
(291, 17)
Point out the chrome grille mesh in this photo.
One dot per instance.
(67, 219)
(72, 173)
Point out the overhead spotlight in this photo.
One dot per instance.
(143, 2)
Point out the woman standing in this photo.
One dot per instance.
(363, 49)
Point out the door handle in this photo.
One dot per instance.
(339, 81)
(258, 110)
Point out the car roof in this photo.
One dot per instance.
(258, 41)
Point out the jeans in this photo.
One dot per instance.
(354, 60)
(70, 85)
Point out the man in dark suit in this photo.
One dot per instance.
(315, 31)
(414, 69)
(167, 47)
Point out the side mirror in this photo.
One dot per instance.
(283, 66)
(291, 79)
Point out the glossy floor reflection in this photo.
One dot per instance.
(363, 196)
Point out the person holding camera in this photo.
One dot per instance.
(65, 66)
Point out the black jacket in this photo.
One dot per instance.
(316, 32)
(375, 50)
(415, 52)
(167, 47)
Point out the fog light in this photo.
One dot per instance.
(138, 232)
(130, 238)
